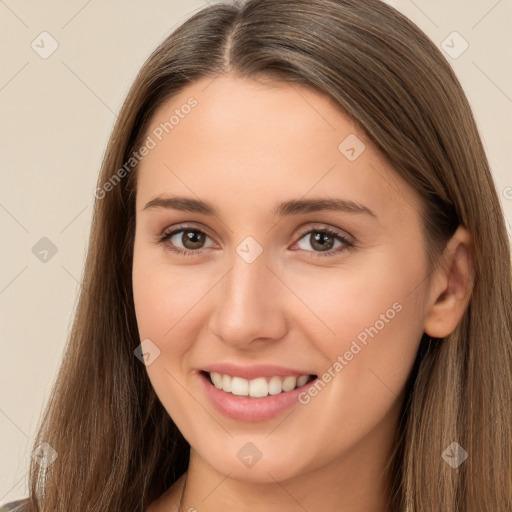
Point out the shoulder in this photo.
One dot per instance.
(15, 506)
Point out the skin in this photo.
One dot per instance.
(291, 306)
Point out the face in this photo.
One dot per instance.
(293, 253)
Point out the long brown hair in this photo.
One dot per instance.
(117, 447)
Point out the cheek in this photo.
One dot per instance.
(165, 296)
(377, 298)
(375, 322)
(370, 362)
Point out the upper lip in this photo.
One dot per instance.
(253, 371)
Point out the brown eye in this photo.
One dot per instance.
(321, 241)
(324, 241)
(192, 239)
(186, 241)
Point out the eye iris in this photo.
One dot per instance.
(324, 241)
(193, 237)
(320, 240)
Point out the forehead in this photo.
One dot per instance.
(258, 142)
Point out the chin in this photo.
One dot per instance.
(266, 469)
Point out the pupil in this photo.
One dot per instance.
(192, 239)
(322, 246)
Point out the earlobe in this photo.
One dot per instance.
(451, 286)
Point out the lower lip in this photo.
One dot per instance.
(248, 408)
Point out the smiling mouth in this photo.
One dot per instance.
(259, 387)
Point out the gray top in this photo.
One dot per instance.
(14, 506)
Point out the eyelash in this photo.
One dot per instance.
(348, 245)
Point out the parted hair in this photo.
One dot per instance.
(117, 447)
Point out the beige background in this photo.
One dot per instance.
(56, 116)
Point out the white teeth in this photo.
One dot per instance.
(239, 386)
(274, 386)
(289, 383)
(258, 387)
(302, 380)
(216, 379)
(226, 383)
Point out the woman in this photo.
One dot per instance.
(298, 293)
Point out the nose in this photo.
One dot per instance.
(249, 305)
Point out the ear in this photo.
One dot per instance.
(451, 286)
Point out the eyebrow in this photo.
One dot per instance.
(292, 207)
